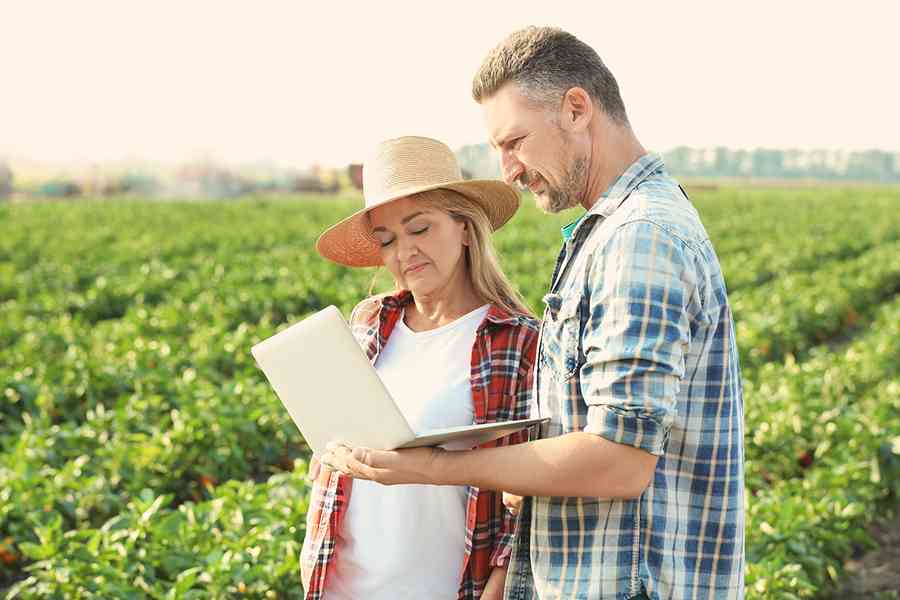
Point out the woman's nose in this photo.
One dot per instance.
(406, 247)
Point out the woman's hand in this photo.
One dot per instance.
(512, 503)
(387, 467)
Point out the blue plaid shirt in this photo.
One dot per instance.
(637, 346)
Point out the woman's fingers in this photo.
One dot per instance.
(512, 503)
(343, 458)
(358, 464)
(335, 457)
(388, 467)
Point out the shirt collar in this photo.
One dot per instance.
(501, 317)
(625, 184)
(395, 301)
(569, 229)
(613, 197)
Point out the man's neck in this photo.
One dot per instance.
(613, 149)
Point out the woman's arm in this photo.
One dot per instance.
(493, 590)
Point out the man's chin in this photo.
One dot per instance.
(544, 203)
(548, 205)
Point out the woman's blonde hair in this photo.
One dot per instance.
(485, 274)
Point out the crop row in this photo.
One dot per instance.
(142, 454)
(799, 311)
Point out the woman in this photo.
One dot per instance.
(454, 345)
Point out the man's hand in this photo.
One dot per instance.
(387, 467)
(512, 503)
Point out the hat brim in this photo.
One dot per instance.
(350, 242)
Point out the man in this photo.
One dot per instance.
(635, 489)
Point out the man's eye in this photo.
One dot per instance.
(386, 243)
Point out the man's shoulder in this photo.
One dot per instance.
(660, 202)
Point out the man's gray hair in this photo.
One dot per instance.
(545, 62)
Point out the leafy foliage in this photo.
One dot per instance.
(143, 455)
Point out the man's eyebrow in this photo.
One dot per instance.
(497, 145)
(403, 222)
(504, 139)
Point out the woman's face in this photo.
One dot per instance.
(422, 247)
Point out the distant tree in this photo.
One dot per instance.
(59, 188)
(678, 160)
(725, 164)
(6, 180)
(768, 163)
(356, 175)
(685, 161)
(871, 165)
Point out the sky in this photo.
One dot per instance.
(296, 83)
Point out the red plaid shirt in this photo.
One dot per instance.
(502, 372)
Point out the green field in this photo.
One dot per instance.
(142, 454)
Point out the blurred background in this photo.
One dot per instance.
(203, 99)
(165, 168)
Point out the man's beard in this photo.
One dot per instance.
(554, 200)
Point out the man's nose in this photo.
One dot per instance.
(510, 167)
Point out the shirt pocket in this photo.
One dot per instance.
(561, 338)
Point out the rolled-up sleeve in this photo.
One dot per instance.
(635, 335)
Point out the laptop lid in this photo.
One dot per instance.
(333, 393)
(329, 388)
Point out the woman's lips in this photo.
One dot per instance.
(415, 268)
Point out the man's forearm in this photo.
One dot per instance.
(576, 464)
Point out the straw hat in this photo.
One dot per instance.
(402, 167)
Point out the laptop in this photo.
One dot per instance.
(333, 393)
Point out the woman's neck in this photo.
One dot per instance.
(440, 308)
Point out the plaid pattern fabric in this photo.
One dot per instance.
(637, 346)
(502, 383)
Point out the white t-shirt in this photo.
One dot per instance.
(409, 541)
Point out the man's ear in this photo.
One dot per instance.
(577, 109)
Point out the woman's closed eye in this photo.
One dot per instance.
(386, 241)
